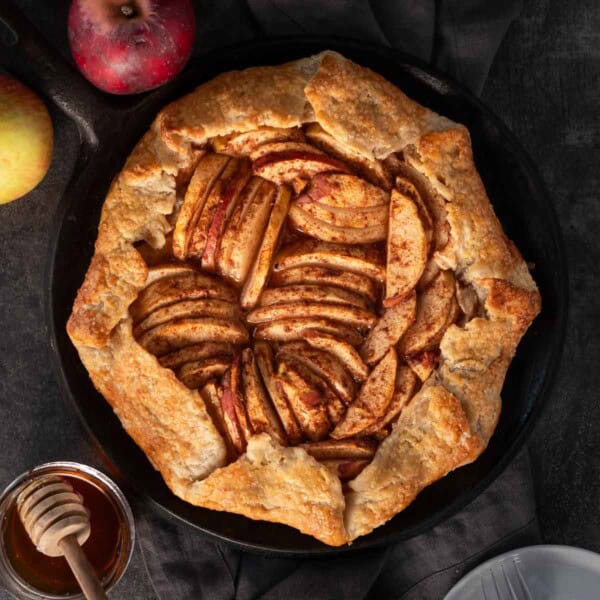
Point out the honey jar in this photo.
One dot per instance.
(28, 573)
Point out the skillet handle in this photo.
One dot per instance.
(44, 69)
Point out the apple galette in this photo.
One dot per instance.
(301, 305)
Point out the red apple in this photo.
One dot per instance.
(26, 139)
(130, 46)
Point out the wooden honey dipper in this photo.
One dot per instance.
(58, 524)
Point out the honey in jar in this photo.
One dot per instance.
(110, 537)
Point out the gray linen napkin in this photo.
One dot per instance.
(184, 564)
(461, 38)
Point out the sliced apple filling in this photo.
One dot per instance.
(300, 291)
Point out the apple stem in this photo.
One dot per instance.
(127, 10)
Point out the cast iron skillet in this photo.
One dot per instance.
(110, 126)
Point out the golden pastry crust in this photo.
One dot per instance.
(447, 424)
(431, 438)
(474, 358)
(366, 112)
(478, 247)
(240, 101)
(167, 420)
(282, 485)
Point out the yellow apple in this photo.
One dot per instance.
(26, 139)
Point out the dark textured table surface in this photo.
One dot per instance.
(545, 84)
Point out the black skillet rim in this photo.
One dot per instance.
(311, 45)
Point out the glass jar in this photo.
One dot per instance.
(29, 574)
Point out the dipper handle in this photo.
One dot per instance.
(82, 569)
(58, 524)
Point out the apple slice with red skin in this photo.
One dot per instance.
(236, 389)
(356, 218)
(264, 360)
(230, 418)
(210, 394)
(372, 170)
(173, 335)
(163, 270)
(432, 199)
(352, 316)
(246, 228)
(326, 366)
(281, 165)
(388, 330)
(311, 293)
(186, 286)
(351, 448)
(133, 46)
(372, 400)
(289, 330)
(436, 310)
(343, 351)
(177, 358)
(244, 143)
(364, 260)
(188, 309)
(407, 248)
(234, 413)
(306, 401)
(405, 388)
(323, 276)
(424, 363)
(284, 147)
(227, 203)
(260, 411)
(198, 236)
(340, 190)
(336, 408)
(261, 267)
(208, 170)
(407, 188)
(197, 373)
(303, 221)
